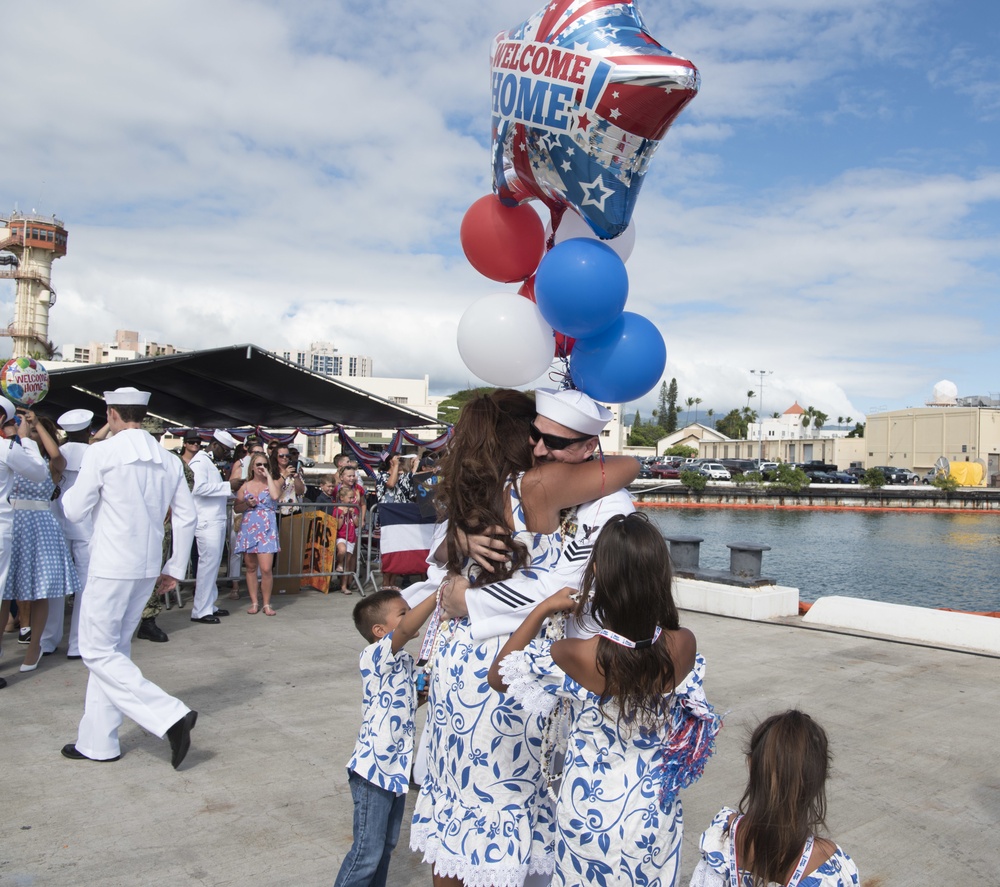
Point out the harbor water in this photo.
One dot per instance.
(925, 560)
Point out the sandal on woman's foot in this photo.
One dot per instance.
(345, 591)
(253, 609)
(234, 595)
(269, 610)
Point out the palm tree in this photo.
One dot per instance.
(697, 401)
(840, 420)
(819, 418)
(689, 403)
(808, 416)
(750, 394)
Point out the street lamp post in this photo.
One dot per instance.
(760, 418)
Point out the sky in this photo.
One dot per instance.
(826, 210)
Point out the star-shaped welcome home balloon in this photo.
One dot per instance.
(582, 95)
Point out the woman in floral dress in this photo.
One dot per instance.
(482, 816)
(258, 535)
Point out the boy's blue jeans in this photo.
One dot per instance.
(378, 815)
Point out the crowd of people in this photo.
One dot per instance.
(566, 702)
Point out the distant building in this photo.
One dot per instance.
(127, 346)
(693, 435)
(960, 429)
(785, 439)
(788, 426)
(324, 359)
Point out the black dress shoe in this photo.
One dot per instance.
(71, 656)
(208, 620)
(3, 683)
(69, 751)
(180, 738)
(221, 613)
(150, 631)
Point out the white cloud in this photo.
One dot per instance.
(250, 171)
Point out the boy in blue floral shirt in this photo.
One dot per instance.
(379, 770)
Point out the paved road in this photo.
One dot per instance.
(262, 798)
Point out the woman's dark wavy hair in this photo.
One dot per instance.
(628, 584)
(785, 798)
(490, 445)
(53, 431)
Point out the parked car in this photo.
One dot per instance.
(843, 477)
(928, 478)
(821, 477)
(667, 470)
(645, 471)
(715, 470)
(907, 476)
(856, 472)
(739, 466)
(894, 474)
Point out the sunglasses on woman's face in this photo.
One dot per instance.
(554, 441)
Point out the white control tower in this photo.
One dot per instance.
(29, 244)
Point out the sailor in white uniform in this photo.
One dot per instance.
(127, 483)
(211, 496)
(567, 428)
(16, 457)
(76, 424)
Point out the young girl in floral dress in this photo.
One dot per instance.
(771, 840)
(640, 726)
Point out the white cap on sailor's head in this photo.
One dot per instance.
(126, 397)
(9, 409)
(75, 420)
(572, 408)
(225, 438)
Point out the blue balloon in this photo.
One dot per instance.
(581, 287)
(621, 364)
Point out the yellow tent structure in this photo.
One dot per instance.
(968, 474)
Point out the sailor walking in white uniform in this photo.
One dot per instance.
(127, 483)
(16, 457)
(211, 496)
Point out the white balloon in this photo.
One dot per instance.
(573, 225)
(504, 340)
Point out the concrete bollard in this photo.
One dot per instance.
(745, 558)
(684, 552)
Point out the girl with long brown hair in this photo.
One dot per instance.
(771, 839)
(641, 728)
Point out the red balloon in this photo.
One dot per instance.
(564, 345)
(528, 289)
(503, 243)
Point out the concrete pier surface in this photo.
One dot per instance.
(262, 798)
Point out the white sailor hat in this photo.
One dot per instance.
(225, 438)
(8, 408)
(75, 420)
(572, 408)
(126, 397)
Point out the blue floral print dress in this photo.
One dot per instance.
(618, 818)
(483, 814)
(714, 868)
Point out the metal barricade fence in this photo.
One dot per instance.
(308, 552)
(308, 555)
